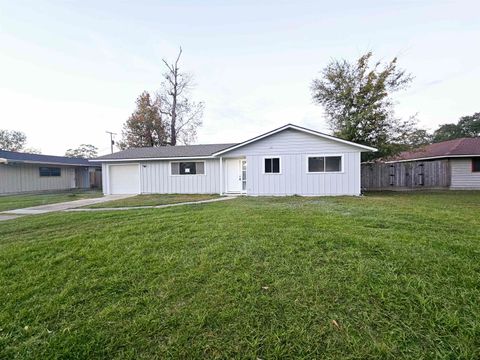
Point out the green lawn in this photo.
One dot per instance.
(385, 276)
(10, 202)
(154, 200)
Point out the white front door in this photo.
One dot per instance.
(235, 179)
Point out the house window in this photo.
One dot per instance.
(476, 165)
(50, 171)
(319, 164)
(188, 168)
(272, 165)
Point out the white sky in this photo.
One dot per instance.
(71, 70)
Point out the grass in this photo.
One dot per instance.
(384, 276)
(10, 202)
(154, 200)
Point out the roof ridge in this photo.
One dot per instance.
(30, 153)
(458, 142)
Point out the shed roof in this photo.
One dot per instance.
(19, 157)
(166, 152)
(452, 148)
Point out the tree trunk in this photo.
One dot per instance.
(173, 125)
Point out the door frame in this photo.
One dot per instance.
(240, 162)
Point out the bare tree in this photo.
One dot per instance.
(182, 114)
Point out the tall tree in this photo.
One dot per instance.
(84, 151)
(145, 127)
(447, 132)
(467, 126)
(183, 115)
(470, 125)
(12, 140)
(357, 98)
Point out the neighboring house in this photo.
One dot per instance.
(286, 161)
(22, 172)
(459, 159)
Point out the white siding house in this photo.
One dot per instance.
(290, 160)
(22, 172)
(293, 148)
(462, 174)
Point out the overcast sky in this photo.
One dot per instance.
(69, 71)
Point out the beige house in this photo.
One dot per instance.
(22, 172)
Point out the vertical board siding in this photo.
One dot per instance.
(293, 147)
(156, 178)
(294, 179)
(462, 175)
(26, 178)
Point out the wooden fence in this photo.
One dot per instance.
(406, 175)
(95, 179)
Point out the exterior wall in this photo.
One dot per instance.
(25, 178)
(105, 179)
(462, 176)
(155, 177)
(293, 147)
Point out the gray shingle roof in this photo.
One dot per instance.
(161, 152)
(14, 156)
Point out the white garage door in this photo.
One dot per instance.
(124, 179)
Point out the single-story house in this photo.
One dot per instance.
(23, 172)
(286, 161)
(461, 156)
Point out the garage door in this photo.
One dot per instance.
(124, 179)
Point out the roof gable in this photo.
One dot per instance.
(298, 128)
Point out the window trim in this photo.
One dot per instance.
(342, 164)
(185, 161)
(473, 166)
(49, 167)
(279, 164)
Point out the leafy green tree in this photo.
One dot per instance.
(470, 125)
(357, 98)
(12, 140)
(145, 127)
(447, 132)
(467, 126)
(84, 151)
(417, 138)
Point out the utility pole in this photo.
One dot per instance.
(111, 140)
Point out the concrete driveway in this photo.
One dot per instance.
(43, 209)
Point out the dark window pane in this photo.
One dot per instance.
(54, 171)
(333, 163)
(200, 167)
(44, 171)
(268, 165)
(316, 164)
(187, 168)
(175, 168)
(50, 171)
(476, 164)
(276, 165)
